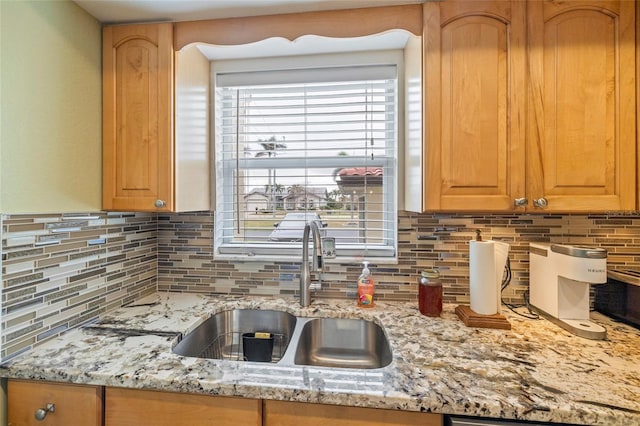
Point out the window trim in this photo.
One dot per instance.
(346, 252)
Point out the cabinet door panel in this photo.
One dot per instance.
(474, 117)
(74, 404)
(583, 124)
(285, 413)
(474, 68)
(131, 407)
(137, 116)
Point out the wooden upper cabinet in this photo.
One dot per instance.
(530, 101)
(474, 104)
(581, 122)
(138, 117)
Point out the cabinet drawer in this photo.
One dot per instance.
(73, 404)
(129, 407)
(284, 413)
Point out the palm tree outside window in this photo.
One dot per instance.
(270, 148)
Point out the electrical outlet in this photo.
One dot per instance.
(328, 248)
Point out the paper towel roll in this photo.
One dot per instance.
(487, 260)
(482, 277)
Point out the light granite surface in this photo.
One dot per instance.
(536, 371)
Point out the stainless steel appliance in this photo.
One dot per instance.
(620, 296)
(461, 421)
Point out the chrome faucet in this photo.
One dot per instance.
(316, 260)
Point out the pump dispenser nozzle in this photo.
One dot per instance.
(365, 287)
(365, 269)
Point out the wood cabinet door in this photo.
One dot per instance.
(581, 121)
(73, 404)
(474, 68)
(285, 413)
(137, 117)
(131, 407)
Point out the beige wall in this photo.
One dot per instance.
(2, 412)
(50, 103)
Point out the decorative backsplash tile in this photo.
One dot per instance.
(185, 254)
(61, 270)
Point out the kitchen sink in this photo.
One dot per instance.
(342, 343)
(220, 337)
(319, 342)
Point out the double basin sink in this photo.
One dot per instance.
(288, 340)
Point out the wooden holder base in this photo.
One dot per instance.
(472, 319)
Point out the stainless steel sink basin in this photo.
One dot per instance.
(220, 337)
(320, 342)
(342, 343)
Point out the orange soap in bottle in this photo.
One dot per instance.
(366, 287)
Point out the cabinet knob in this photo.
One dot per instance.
(160, 204)
(520, 202)
(41, 413)
(540, 202)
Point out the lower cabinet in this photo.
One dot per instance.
(283, 413)
(86, 405)
(53, 404)
(130, 407)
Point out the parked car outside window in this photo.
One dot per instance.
(292, 225)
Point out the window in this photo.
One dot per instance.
(300, 144)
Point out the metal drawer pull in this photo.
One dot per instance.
(160, 204)
(41, 413)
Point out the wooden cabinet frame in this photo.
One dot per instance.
(289, 413)
(476, 162)
(73, 404)
(97, 405)
(134, 407)
(137, 117)
(492, 134)
(331, 23)
(473, 50)
(142, 166)
(581, 135)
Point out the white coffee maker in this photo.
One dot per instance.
(559, 285)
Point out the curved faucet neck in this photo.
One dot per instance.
(316, 260)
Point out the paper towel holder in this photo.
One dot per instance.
(474, 319)
(471, 318)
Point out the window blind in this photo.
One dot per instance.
(301, 145)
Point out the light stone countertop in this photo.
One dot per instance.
(535, 371)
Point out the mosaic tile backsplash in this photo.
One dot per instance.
(185, 254)
(61, 270)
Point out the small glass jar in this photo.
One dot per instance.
(430, 293)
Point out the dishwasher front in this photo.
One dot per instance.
(462, 421)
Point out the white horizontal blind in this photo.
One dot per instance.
(304, 144)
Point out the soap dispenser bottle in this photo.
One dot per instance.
(366, 287)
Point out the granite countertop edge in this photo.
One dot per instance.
(535, 371)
